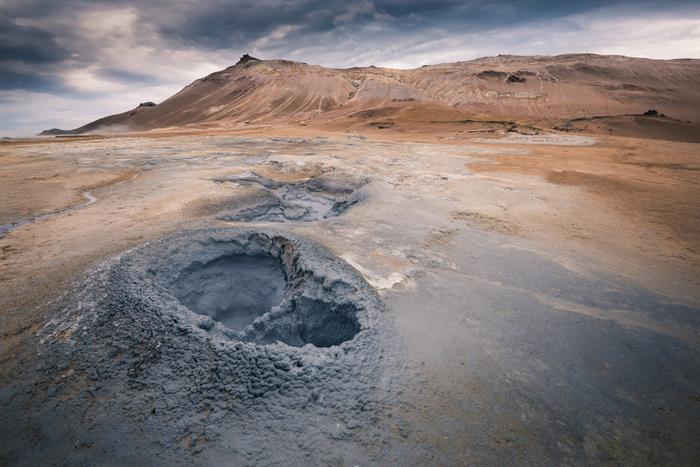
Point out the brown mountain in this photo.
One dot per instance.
(111, 122)
(539, 90)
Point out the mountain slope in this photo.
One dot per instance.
(109, 123)
(513, 88)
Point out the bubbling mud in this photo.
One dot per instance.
(233, 290)
(255, 286)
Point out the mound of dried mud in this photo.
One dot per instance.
(216, 338)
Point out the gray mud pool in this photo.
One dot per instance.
(314, 199)
(242, 335)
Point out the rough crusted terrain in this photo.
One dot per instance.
(538, 296)
(133, 368)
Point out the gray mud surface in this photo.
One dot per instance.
(436, 322)
(235, 336)
(232, 289)
(314, 199)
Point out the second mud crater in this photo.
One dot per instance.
(314, 199)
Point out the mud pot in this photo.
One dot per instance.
(244, 325)
(253, 289)
(314, 199)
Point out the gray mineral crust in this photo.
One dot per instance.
(234, 335)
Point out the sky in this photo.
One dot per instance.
(64, 63)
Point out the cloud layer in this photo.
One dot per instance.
(65, 63)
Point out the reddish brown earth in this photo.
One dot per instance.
(487, 93)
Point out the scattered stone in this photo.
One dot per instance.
(245, 59)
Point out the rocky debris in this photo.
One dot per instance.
(492, 74)
(513, 78)
(147, 104)
(653, 113)
(508, 77)
(245, 59)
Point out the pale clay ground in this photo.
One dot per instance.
(416, 237)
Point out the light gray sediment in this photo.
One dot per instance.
(135, 370)
(317, 198)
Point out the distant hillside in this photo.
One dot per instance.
(541, 89)
(110, 123)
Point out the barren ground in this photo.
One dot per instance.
(543, 289)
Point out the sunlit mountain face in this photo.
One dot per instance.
(65, 63)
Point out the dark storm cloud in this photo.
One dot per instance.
(10, 80)
(225, 24)
(24, 51)
(27, 44)
(222, 24)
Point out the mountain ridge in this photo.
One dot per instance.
(525, 89)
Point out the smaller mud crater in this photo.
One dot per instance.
(314, 199)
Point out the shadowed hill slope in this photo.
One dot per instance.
(111, 123)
